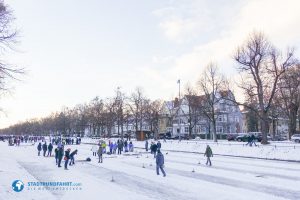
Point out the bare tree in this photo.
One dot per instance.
(194, 104)
(289, 95)
(211, 83)
(261, 65)
(152, 114)
(119, 109)
(7, 40)
(138, 104)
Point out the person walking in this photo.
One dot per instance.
(253, 140)
(94, 150)
(249, 141)
(160, 161)
(67, 158)
(56, 155)
(39, 148)
(100, 152)
(146, 145)
(50, 147)
(158, 145)
(154, 149)
(72, 159)
(208, 153)
(45, 147)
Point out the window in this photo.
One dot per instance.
(236, 119)
(219, 129)
(186, 129)
(219, 118)
(203, 129)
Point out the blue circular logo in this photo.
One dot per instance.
(17, 186)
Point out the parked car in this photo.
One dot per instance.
(259, 137)
(295, 138)
(279, 138)
(231, 137)
(242, 138)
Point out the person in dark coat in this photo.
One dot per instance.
(249, 140)
(56, 155)
(146, 145)
(72, 161)
(45, 147)
(126, 146)
(67, 158)
(160, 161)
(50, 147)
(158, 145)
(100, 152)
(60, 155)
(120, 146)
(208, 153)
(39, 148)
(252, 140)
(154, 149)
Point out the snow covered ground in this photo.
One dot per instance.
(134, 176)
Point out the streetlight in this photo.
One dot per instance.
(179, 104)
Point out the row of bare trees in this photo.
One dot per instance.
(101, 116)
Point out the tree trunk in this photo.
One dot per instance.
(264, 127)
(293, 120)
(214, 131)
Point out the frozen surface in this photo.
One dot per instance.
(135, 178)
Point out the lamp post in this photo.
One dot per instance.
(179, 104)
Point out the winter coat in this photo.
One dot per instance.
(154, 147)
(208, 152)
(56, 152)
(158, 145)
(45, 147)
(50, 147)
(120, 145)
(67, 154)
(73, 153)
(100, 151)
(39, 147)
(146, 144)
(160, 159)
(60, 153)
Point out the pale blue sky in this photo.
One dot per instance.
(76, 50)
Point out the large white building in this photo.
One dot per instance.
(180, 116)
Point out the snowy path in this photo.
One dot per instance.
(228, 178)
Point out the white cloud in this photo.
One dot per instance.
(279, 20)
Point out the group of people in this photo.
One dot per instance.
(154, 147)
(17, 140)
(251, 140)
(156, 150)
(114, 147)
(66, 141)
(59, 153)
